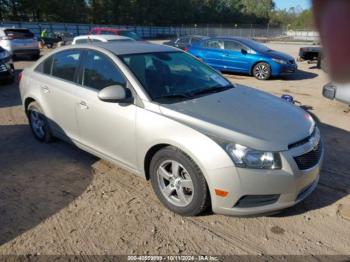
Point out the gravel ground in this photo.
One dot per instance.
(56, 199)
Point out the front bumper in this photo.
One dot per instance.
(290, 184)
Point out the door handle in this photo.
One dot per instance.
(45, 89)
(83, 105)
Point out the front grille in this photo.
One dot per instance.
(309, 159)
(256, 200)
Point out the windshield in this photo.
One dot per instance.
(130, 34)
(256, 46)
(174, 75)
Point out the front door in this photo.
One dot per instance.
(237, 56)
(106, 128)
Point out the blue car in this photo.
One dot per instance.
(242, 55)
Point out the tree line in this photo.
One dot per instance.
(153, 12)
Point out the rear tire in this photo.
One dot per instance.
(178, 182)
(39, 123)
(262, 71)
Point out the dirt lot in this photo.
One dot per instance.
(56, 199)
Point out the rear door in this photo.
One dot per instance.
(59, 91)
(214, 53)
(106, 128)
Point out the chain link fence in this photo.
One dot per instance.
(257, 32)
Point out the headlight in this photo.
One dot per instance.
(279, 61)
(249, 158)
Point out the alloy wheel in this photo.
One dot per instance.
(175, 183)
(38, 124)
(262, 71)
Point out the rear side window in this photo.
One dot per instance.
(216, 44)
(100, 72)
(19, 33)
(45, 66)
(65, 64)
(184, 40)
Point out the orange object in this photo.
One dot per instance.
(221, 193)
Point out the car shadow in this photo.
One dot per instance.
(298, 75)
(37, 179)
(334, 183)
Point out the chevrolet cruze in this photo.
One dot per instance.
(167, 117)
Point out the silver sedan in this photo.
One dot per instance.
(166, 116)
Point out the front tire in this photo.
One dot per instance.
(262, 71)
(39, 123)
(178, 182)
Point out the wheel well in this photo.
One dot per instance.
(27, 102)
(150, 153)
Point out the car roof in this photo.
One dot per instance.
(197, 36)
(110, 29)
(102, 37)
(136, 47)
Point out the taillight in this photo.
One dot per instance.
(185, 49)
(20, 76)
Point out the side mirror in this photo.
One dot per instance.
(244, 52)
(115, 94)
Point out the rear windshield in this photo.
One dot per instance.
(19, 33)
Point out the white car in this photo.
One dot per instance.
(162, 114)
(84, 39)
(19, 42)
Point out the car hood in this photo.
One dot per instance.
(246, 116)
(278, 55)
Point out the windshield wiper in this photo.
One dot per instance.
(214, 89)
(171, 96)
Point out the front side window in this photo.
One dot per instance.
(100, 72)
(65, 64)
(233, 45)
(172, 75)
